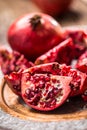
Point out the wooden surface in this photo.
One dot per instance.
(12, 9)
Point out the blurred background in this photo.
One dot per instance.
(66, 12)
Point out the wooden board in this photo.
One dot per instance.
(73, 109)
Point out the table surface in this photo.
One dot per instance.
(9, 11)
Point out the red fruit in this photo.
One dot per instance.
(82, 63)
(14, 82)
(53, 7)
(34, 34)
(79, 82)
(45, 92)
(62, 53)
(79, 38)
(13, 61)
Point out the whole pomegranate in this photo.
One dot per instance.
(53, 7)
(34, 34)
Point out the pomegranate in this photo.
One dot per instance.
(13, 61)
(82, 63)
(79, 38)
(53, 7)
(34, 34)
(14, 82)
(62, 53)
(45, 92)
(79, 82)
(10, 64)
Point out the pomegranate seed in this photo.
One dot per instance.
(27, 91)
(17, 87)
(55, 91)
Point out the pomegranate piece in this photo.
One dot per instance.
(79, 82)
(79, 38)
(45, 92)
(62, 53)
(14, 82)
(10, 64)
(13, 61)
(82, 63)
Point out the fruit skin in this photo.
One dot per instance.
(45, 97)
(62, 53)
(34, 34)
(82, 63)
(79, 38)
(13, 61)
(79, 82)
(53, 7)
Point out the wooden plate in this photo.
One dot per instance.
(75, 108)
